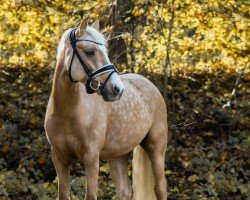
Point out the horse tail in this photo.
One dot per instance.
(143, 180)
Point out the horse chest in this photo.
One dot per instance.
(68, 129)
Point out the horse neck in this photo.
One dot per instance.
(65, 94)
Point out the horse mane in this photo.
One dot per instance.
(61, 44)
(96, 35)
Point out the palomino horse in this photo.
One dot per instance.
(122, 112)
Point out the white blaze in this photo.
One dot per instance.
(116, 80)
(104, 51)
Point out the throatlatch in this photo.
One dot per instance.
(91, 75)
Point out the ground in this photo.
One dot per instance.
(207, 156)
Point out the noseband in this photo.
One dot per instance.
(91, 75)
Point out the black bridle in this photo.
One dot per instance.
(91, 75)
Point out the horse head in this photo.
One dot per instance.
(87, 61)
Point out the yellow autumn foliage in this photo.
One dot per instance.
(30, 30)
(206, 35)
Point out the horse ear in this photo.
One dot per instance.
(95, 25)
(82, 27)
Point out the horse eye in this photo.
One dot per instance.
(90, 52)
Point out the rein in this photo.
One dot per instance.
(91, 75)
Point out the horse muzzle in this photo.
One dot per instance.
(110, 96)
(115, 89)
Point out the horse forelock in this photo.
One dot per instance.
(96, 35)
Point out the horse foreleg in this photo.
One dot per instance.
(62, 166)
(91, 163)
(119, 173)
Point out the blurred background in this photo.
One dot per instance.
(195, 52)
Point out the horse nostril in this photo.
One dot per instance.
(116, 89)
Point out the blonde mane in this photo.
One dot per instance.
(61, 44)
